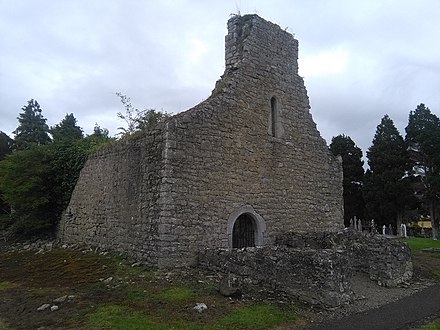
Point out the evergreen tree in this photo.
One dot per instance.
(423, 141)
(352, 165)
(67, 130)
(99, 132)
(32, 128)
(6, 144)
(387, 192)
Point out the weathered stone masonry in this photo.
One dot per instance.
(251, 148)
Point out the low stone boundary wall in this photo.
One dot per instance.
(386, 260)
(315, 276)
(315, 267)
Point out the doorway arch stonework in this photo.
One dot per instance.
(258, 221)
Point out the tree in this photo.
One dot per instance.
(67, 130)
(138, 120)
(387, 192)
(6, 144)
(27, 186)
(100, 132)
(423, 141)
(37, 183)
(32, 128)
(353, 178)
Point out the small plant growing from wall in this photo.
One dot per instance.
(138, 120)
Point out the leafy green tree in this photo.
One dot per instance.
(32, 128)
(37, 183)
(27, 187)
(6, 145)
(353, 179)
(387, 193)
(67, 130)
(138, 120)
(423, 141)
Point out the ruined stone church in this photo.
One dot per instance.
(236, 170)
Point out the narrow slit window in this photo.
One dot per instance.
(274, 116)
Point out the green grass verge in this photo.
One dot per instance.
(417, 243)
(121, 317)
(7, 285)
(256, 317)
(431, 326)
(176, 294)
(249, 317)
(3, 326)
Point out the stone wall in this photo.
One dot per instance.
(314, 276)
(115, 202)
(386, 260)
(251, 147)
(314, 267)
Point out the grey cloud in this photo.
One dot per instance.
(72, 56)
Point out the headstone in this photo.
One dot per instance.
(403, 230)
(359, 225)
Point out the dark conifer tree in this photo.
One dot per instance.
(387, 193)
(67, 130)
(352, 165)
(423, 141)
(6, 145)
(32, 128)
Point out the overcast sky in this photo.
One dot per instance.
(360, 59)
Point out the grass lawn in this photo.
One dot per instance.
(107, 293)
(417, 243)
(428, 262)
(432, 326)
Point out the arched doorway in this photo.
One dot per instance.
(243, 233)
(246, 228)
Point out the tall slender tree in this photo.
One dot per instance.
(387, 192)
(352, 164)
(423, 141)
(32, 128)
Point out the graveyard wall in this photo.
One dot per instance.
(315, 267)
(314, 276)
(386, 260)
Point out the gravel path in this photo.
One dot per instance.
(368, 298)
(400, 314)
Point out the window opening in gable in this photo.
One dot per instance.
(274, 116)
